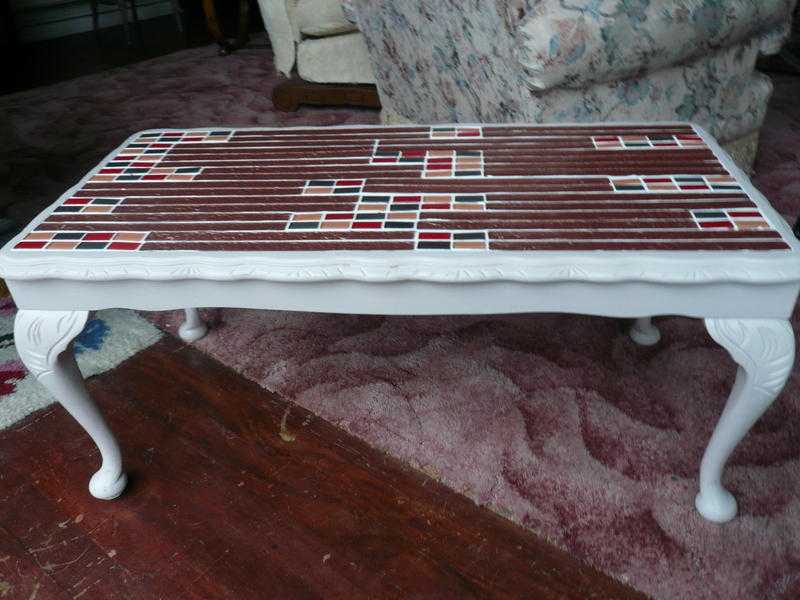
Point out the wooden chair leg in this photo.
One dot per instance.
(95, 19)
(288, 95)
(226, 44)
(122, 5)
(177, 11)
(137, 25)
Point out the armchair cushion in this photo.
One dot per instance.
(322, 18)
(283, 34)
(572, 44)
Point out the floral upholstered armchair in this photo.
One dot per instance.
(577, 60)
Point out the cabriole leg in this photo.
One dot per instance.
(764, 351)
(193, 328)
(644, 333)
(44, 339)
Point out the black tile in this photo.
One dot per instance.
(433, 245)
(321, 182)
(347, 190)
(304, 225)
(476, 235)
(710, 214)
(398, 225)
(91, 245)
(67, 236)
(404, 206)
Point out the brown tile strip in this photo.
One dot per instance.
(277, 246)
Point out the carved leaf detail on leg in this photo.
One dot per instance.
(41, 336)
(759, 346)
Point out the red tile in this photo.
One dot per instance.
(154, 177)
(97, 237)
(77, 201)
(367, 225)
(432, 235)
(160, 145)
(744, 213)
(413, 153)
(111, 170)
(349, 182)
(123, 246)
(406, 199)
(338, 216)
(30, 245)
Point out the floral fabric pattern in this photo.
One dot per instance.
(575, 60)
(574, 42)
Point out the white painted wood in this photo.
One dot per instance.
(625, 299)
(644, 333)
(764, 350)
(193, 328)
(745, 297)
(43, 340)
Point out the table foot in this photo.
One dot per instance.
(193, 328)
(716, 504)
(43, 339)
(764, 350)
(644, 333)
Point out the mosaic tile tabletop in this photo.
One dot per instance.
(429, 189)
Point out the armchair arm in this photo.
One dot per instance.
(349, 10)
(445, 59)
(282, 31)
(572, 43)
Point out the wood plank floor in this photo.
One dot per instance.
(225, 503)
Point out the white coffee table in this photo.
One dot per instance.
(620, 220)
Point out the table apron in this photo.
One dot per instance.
(617, 299)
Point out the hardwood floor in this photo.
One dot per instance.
(225, 502)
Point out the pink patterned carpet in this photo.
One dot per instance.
(559, 422)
